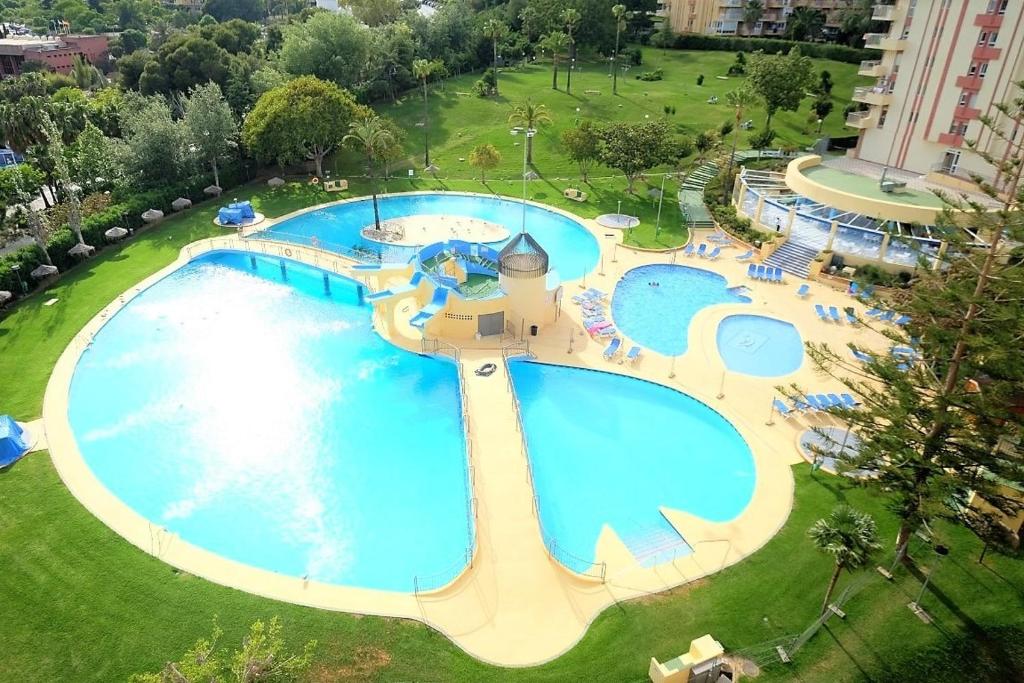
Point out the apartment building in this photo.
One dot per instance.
(57, 52)
(728, 17)
(941, 66)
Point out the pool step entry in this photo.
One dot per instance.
(793, 257)
(654, 544)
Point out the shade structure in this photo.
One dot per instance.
(13, 441)
(151, 215)
(619, 221)
(238, 213)
(275, 182)
(44, 271)
(181, 203)
(115, 234)
(81, 249)
(5, 296)
(523, 257)
(212, 190)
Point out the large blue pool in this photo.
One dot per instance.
(610, 449)
(573, 251)
(653, 305)
(760, 346)
(246, 404)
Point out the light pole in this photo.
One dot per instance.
(527, 174)
(819, 125)
(16, 267)
(940, 552)
(661, 198)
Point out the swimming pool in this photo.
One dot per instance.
(760, 346)
(658, 315)
(573, 251)
(246, 404)
(610, 449)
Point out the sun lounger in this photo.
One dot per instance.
(760, 273)
(752, 271)
(782, 408)
(803, 291)
(634, 355)
(834, 312)
(854, 289)
(875, 312)
(688, 249)
(887, 316)
(810, 400)
(866, 294)
(702, 249)
(801, 405)
(849, 401)
(595, 293)
(613, 348)
(777, 277)
(861, 356)
(836, 401)
(822, 313)
(850, 317)
(824, 401)
(714, 253)
(902, 320)
(746, 255)
(610, 331)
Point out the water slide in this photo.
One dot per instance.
(401, 290)
(437, 303)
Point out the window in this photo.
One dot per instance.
(964, 98)
(973, 71)
(1002, 6)
(983, 38)
(982, 70)
(992, 38)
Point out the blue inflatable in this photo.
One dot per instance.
(236, 214)
(12, 442)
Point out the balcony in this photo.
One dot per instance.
(989, 21)
(872, 94)
(882, 41)
(963, 113)
(969, 82)
(984, 53)
(871, 67)
(862, 119)
(951, 139)
(883, 13)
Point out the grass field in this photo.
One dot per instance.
(81, 604)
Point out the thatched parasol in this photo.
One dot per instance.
(44, 271)
(115, 234)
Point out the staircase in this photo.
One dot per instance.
(793, 257)
(700, 176)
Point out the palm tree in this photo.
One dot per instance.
(424, 69)
(805, 23)
(494, 30)
(752, 13)
(739, 100)
(571, 18)
(370, 136)
(530, 116)
(849, 537)
(484, 156)
(619, 12)
(555, 42)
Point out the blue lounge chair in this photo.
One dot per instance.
(782, 408)
(713, 254)
(875, 312)
(822, 313)
(824, 401)
(813, 402)
(854, 289)
(861, 356)
(851, 317)
(752, 271)
(849, 401)
(688, 249)
(902, 320)
(634, 355)
(777, 277)
(760, 273)
(804, 290)
(887, 316)
(743, 257)
(834, 312)
(801, 405)
(867, 293)
(702, 249)
(836, 401)
(613, 348)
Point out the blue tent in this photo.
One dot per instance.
(12, 442)
(236, 214)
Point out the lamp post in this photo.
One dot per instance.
(940, 552)
(819, 125)
(16, 267)
(527, 174)
(661, 198)
(672, 368)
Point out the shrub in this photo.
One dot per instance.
(839, 53)
(636, 57)
(700, 79)
(656, 75)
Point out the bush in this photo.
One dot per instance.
(839, 53)
(636, 57)
(700, 79)
(870, 274)
(725, 214)
(656, 75)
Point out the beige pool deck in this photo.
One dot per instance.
(515, 605)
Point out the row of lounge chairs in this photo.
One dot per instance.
(615, 347)
(815, 403)
(833, 314)
(905, 356)
(764, 273)
(889, 317)
(702, 251)
(595, 321)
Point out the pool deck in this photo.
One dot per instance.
(515, 605)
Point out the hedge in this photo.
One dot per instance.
(124, 211)
(839, 53)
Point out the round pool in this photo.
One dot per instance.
(653, 305)
(759, 346)
(246, 404)
(572, 249)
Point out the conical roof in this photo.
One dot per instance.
(523, 257)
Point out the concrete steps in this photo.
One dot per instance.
(793, 258)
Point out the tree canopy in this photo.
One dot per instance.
(780, 80)
(331, 46)
(635, 147)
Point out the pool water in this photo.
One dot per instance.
(571, 248)
(658, 316)
(759, 346)
(610, 449)
(246, 404)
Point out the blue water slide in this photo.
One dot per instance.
(383, 294)
(437, 303)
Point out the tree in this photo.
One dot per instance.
(935, 432)
(331, 46)
(370, 135)
(262, 658)
(223, 10)
(620, 15)
(91, 160)
(780, 80)
(423, 69)
(182, 63)
(704, 142)
(555, 42)
(305, 118)
(211, 127)
(484, 157)
(495, 30)
(805, 23)
(376, 12)
(154, 150)
(825, 82)
(635, 147)
(20, 185)
(752, 13)
(855, 20)
(740, 100)
(571, 17)
(531, 117)
(56, 153)
(762, 139)
(86, 76)
(849, 537)
(131, 40)
(822, 106)
(582, 145)
(131, 67)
